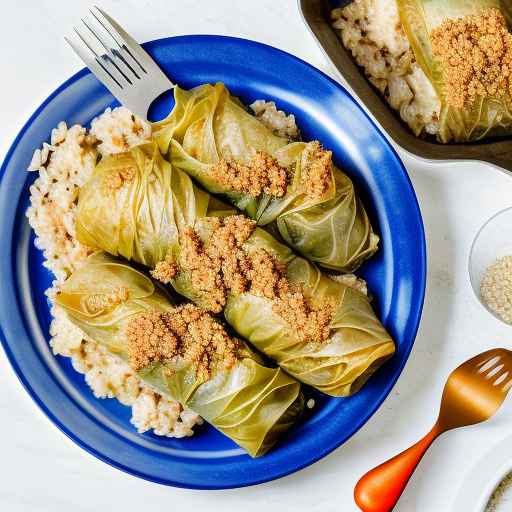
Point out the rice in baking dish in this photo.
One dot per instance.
(63, 166)
(371, 30)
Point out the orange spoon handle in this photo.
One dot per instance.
(380, 488)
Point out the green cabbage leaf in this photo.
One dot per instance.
(208, 124)
(251, 403)
(136, 203)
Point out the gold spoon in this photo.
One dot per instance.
(473, 393)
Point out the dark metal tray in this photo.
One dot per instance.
(316, 16)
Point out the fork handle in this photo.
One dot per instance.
(380, 488)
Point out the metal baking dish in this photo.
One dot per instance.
(316, 16)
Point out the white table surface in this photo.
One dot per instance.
(41, 470)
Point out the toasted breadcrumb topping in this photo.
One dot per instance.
(100, 301)
(150, 340)
(222, 266)
(476, 55)
(312, 323)
(267, 275)
(188, 334)
(262, 175)
(165, 271)
(317, 170)
(117, 178)
(268, 279)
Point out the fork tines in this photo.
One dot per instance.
(108, 52)
(118, 61)
(496, 366)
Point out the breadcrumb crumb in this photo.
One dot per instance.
(99, 301)
(262, 175)
(313, 324)
(476, 54)
(150, 340)
(267, 275)
(267, 278)
(222, 265)
(219, 265)
(317, 170)
(187, 333)
(165, 271)
(116, 179)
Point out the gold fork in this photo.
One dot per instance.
(473, 393)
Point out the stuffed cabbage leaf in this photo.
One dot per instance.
(127, 220)
(338, 364)
(250, 402)
(488, 114)
(136, 203)
(316, 212)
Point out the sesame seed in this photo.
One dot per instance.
(496, 288)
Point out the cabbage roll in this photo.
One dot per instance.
(465, 48)
(136, 203)
(183, 352)
(292, 187)
(320, 331)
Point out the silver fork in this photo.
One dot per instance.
(119, 62)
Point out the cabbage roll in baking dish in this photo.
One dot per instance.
(465, 49)
(444, 65)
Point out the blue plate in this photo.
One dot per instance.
(396, 276)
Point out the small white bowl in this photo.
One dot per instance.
(479, 485)
(493, 240)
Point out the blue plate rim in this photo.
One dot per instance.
(416, 314)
